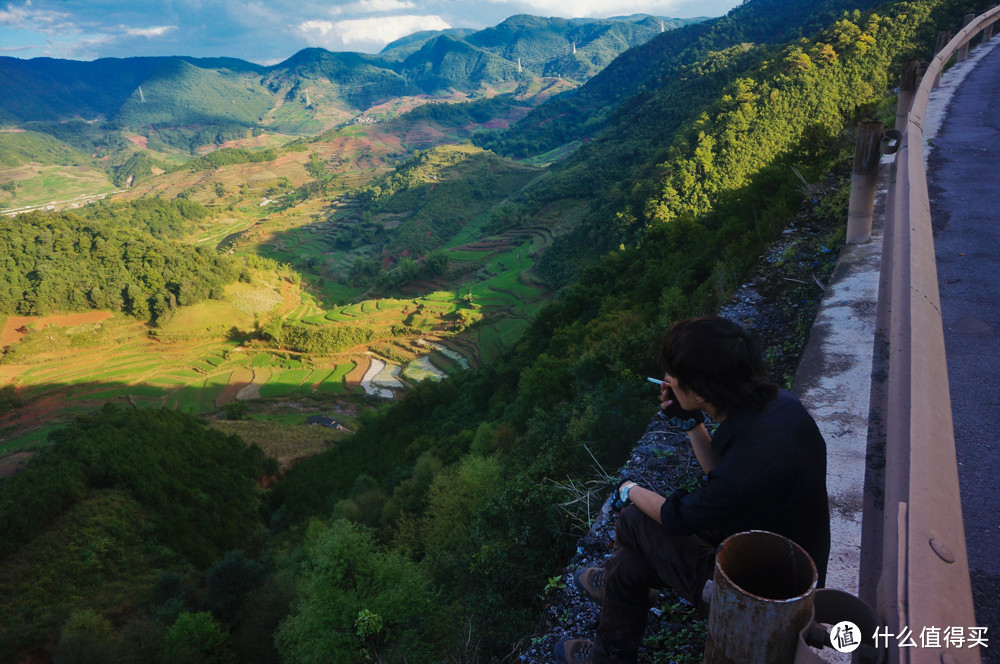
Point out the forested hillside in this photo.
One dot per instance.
(433, 196)
(22, 147)
(45, 89)
(428, 529)
(177, 92)
(671, 111)
(67, 263)
(572, 390)
(572, 48)
(123, 502)
(643, 69)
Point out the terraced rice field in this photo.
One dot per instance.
(285, 381)
(190, 365)
(335, 381)
(422, 368)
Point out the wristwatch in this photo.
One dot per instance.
(623, 492)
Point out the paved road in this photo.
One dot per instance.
(964, 180)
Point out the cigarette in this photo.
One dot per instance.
(655, 381)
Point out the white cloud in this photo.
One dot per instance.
(86, 48)
(316, 32)
(385, 5)
(371, 7)
(383, 30)
(369, 31)
(595, 8)
(150, 32)
(26, 17)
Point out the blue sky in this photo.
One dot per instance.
(269, 31)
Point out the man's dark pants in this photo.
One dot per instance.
(645, 557)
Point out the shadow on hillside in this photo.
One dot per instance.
(27, 420)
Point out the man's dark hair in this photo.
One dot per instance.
(716, 359)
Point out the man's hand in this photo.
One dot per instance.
(677, 416)
(619, 499)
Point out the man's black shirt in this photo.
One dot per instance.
(771, 476)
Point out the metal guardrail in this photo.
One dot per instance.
(914, 541)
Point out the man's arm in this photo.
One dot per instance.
(701, 443)
(648, 502)
(701, 440)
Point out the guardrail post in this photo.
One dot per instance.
(907, 90)
(762, 598)
(963, 51)
(942, 40)
(988, 30)
(863, 179)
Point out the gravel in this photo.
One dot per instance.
(661, 461)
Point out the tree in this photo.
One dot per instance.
(357, 600)
(436, 263)
(235, 410)
(454, 498)
(364, 505)
(86, 639)
(195, 638)
(228, 582)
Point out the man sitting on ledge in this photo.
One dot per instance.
(766, 468)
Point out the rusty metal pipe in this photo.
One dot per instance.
(762, 598)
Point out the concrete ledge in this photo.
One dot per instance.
(833, 380)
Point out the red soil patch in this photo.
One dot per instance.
(9, 372)
(239, 379)
(141, 141)
(358, 372)
(422, 286)
(12, 329)
(27, 417)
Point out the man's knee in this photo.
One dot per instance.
(628, 569)
(630, 522)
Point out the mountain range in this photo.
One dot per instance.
(178, 91)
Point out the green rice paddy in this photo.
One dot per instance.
(334, 382)
(284, 382)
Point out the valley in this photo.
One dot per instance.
(474, 305)
(340, 364)
(429, 268)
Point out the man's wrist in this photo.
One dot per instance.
(620, 497)
(686, 423)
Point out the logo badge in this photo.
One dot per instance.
(845, 636)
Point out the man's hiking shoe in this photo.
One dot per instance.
(574, 651)
(590, 582)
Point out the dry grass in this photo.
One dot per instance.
(285, 443)
(251, 300)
